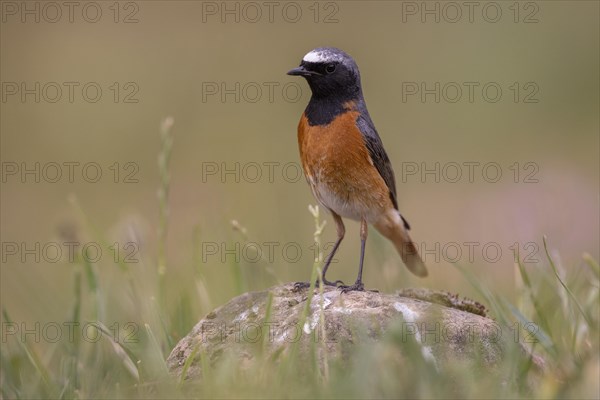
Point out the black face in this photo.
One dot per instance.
(336, 76)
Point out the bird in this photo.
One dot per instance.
(344, 161)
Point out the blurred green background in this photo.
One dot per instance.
(172, 56)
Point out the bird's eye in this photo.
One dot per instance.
(330, 68)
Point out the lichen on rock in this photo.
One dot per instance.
(445, 299)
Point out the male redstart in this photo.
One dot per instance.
(344, 161)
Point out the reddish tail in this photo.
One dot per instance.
(409, 253)
(398, 234)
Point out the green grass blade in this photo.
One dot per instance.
(157, 350)
(292, 356)
(187, 364)
(266, 321)
(571, 295)
(522, 270)
(123, 353)
(542, 337)
(164, 158)
(593, 264)
(76, 343)
(9, 388)
(536, 305)
(32, 356)
(164, 325)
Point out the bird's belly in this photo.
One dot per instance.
(349, 193)
(343, 203)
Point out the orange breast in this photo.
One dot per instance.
(339, 168)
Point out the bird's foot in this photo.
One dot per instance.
(358, 287)
(305, 285)
(301, 285)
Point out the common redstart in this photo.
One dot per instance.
(344, 161)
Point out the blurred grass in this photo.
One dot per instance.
(563, 307)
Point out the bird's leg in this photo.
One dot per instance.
(341, 231)
(358, 285)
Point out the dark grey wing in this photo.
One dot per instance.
(379, 157)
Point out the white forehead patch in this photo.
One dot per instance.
(315, 57)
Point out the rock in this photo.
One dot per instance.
(272, 321)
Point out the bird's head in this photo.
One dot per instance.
(330, 72)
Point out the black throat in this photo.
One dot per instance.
(323, 110)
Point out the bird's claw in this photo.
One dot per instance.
(305, 285)
(358, 287)
(301, 285)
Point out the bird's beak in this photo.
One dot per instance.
(301, 71)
